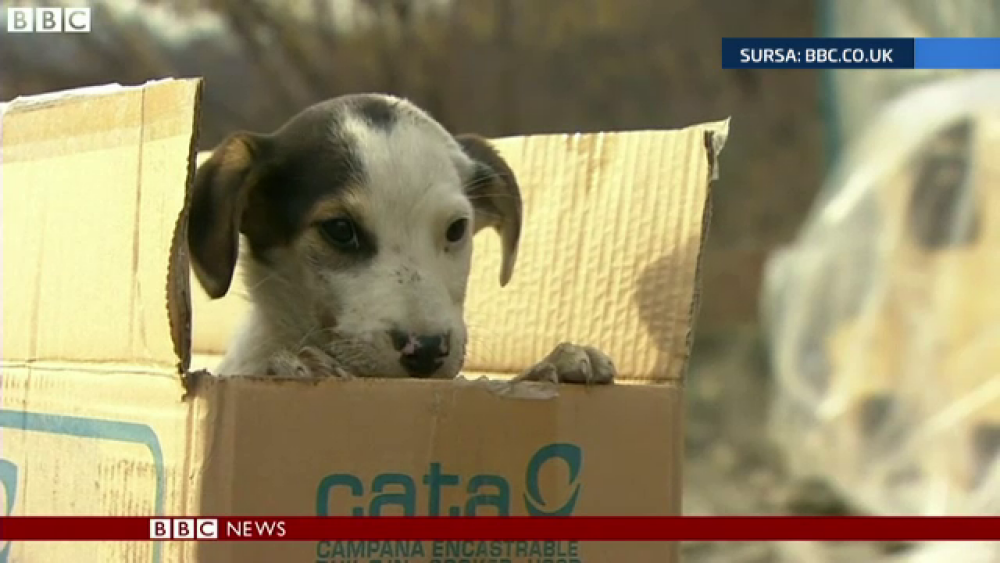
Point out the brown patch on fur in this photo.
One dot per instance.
(350, 201)
(237, 153)
(219, 194)
(266, 187)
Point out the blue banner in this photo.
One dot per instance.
(937, 53)
(801, 52)
(952, 53)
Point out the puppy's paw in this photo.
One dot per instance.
(570, 363)
(309, 362)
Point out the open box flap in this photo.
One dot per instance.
(613, 231)
(93, 185)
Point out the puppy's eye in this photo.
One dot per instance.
(457, 230)
(340, 232)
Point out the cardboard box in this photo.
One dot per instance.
(104, 414)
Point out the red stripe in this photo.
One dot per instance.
(531, 529)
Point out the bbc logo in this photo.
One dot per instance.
(48, 20)
(183, 529)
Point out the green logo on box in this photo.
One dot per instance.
(487, 492)
(572, 455)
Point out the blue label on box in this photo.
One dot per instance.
(94, 428)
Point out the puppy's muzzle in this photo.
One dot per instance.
(421, 355)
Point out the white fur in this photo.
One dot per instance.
(416, 282)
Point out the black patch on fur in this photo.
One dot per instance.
(305, 161)
(482, 178)
(482, 175)
(367, 242)
(202, 221)
(308, 162)
(943, 208)
(378, 112)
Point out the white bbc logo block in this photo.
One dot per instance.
(20, 20)
(159, 528)
(48, 20)
(207, 528)
(184, 529)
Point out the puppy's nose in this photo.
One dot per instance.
(421, 355)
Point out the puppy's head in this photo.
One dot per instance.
(357, 217)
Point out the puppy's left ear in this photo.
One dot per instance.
(220, 196)
(496, 197)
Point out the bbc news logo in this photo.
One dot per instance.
(213, 528)
(183, 529)
(48, 20)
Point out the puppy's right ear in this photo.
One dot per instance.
(219, 195)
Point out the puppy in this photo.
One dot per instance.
(356, 219)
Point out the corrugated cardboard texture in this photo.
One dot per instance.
(93, 412)
(609, 255)
(92, 185)
(75, 442)
(402, 430)
(90, 271)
